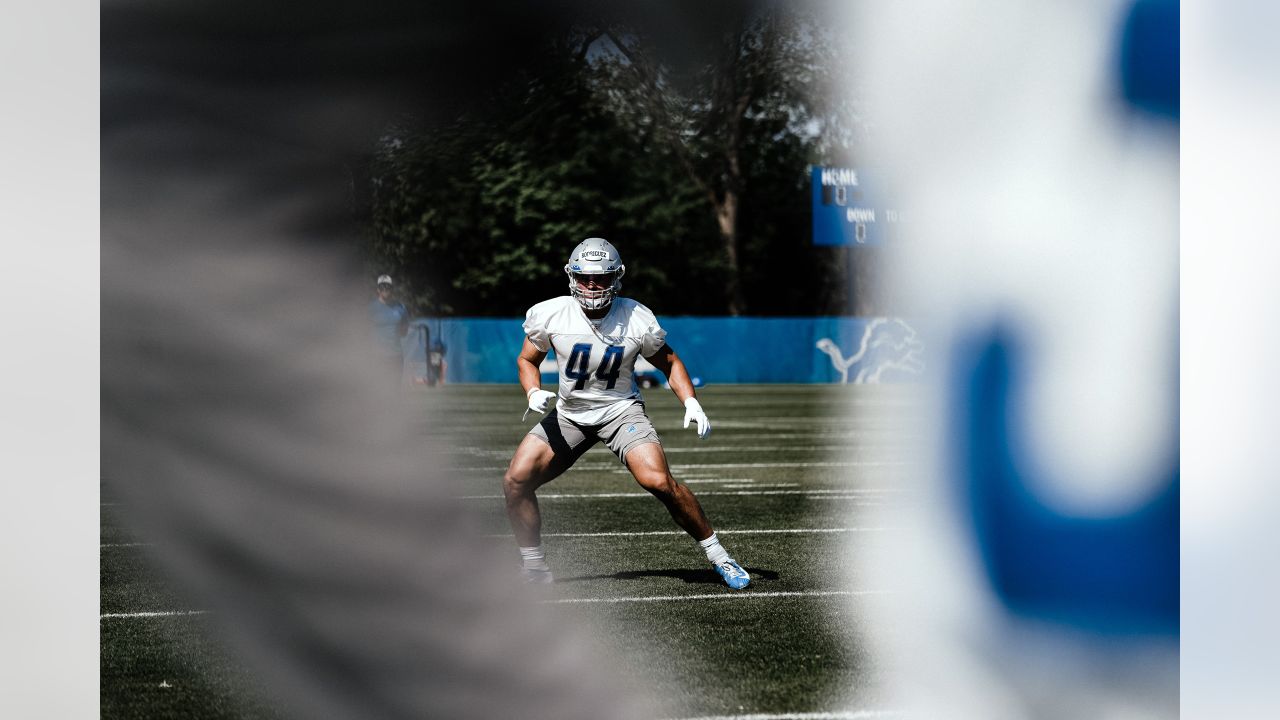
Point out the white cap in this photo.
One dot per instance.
(384, 279)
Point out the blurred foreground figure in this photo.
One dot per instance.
(283, 485)
(1034, 150)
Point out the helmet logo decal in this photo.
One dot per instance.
(594, 255)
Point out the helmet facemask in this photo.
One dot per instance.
(599, 298)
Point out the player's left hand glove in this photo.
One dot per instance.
(693, 413)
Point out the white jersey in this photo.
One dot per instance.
(596, 362)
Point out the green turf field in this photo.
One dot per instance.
(789, 477)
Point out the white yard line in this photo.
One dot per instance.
(756, 448)
(700, 466)
(645, 533)
(831, 493)
(722, 448)
(162, 613)
(561, 496)
(774, 432)
(578, 601)
(830, 715)
(810, 427)
(816, 495)
(852, 463)
(483, 452)
(717, 596)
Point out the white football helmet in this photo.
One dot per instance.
(595, 256)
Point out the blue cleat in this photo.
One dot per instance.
(733, 574)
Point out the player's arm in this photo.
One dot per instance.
(527, 363)
(669, 363)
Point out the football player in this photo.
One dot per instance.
(597, 337)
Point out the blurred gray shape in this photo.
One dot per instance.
(284, 487)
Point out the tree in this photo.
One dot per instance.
(697, 165)
(481, 211)
(761, 84)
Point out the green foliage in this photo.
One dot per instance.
(478, 217)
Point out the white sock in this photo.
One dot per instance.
(534, 558)
(715, 553)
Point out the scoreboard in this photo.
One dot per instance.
(846, 211)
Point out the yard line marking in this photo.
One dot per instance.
(718, 596)
(847, 435)
(849, 463)
(162, 613)
(755, 448)
(697, 466)
(827, 715)
(561, 496)
(830, 715)
(481, 452)
(641, 533)
(817, 493)
(862, 488)
(848, 424)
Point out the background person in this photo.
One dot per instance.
(390, 321)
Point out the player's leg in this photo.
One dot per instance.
(547, 451)
(531, 467)
(648, 464)
(633, 438)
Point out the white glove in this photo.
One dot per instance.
(538, 399)
(693, 413)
